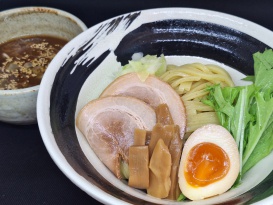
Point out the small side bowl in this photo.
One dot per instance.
(19, 106)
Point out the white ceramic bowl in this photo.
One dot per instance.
(87, 64)
(19, 106)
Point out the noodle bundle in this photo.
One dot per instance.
(190, 81)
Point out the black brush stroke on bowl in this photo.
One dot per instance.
(170, 37)
(192, 38)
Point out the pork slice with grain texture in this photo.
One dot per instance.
(108, 124)
(153, 91)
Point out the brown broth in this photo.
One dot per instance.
(24, 60)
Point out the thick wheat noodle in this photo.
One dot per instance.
(210, 73)
(200, 86)
(199, 83)
(185, 79)
(191, 81)
(198, 105)
(193, 95)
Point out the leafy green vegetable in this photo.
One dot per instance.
(181, 197)
(261, 150)
(263, 114)
(263, 63)
(149, 64)
(247, 111)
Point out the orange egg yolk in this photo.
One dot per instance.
(206, 164)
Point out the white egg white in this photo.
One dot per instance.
(219, 136)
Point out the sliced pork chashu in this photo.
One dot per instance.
(109, 123)
(152, 91)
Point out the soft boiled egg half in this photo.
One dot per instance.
(209, 164)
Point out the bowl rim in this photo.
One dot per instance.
(42, 102)
(44, 9)
(38, 9)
